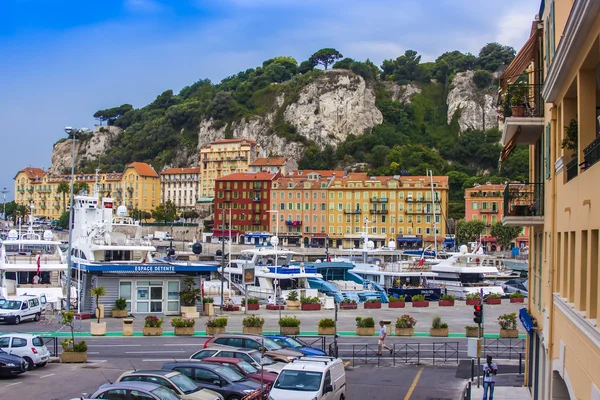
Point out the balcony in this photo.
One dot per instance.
(293, 223)
(572, 168)
(419, 200)
(380, 200)
(591, 154)
(420, 212)
(257, 188)
(357, 211)
(486, 194)
(523, 204)
(257, 199)
(375, 211)
(256, 211)
(489, 211)
(255, 222)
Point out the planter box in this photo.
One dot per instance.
(274, 307)
(311, 307)
(189, 312)
(493, 301)
(152, 331)
(517, 111)
(371, 305)
(253, 307)
(405, 331)
(517, 299)
(289, 330)
(326, 331)
(184, 331)
(446, 303)
(420, 303)
(73, 357)
(252, 330)
(98, 328)
(119, 313)
(438, 332)
(209, 309)
(215, 331)
(348, 306)
(365, 331)
(509, 333)
(473, 302)
(231, 308)
(292, 305)
(473, 332)
(396, 304)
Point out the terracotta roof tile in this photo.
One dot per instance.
(175, 171)
(33, 173)
(219, 141)
(269, 161)
(143, 169)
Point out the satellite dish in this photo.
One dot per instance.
(196, 248)
(48, 235)
(13, 235)
(370, 244)
(274, 240)
(219, 253)
(122, 211)
(463, 249)
(392, 244)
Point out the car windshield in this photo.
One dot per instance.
(293, 343)
(270, 344)
(11, 305)
(229, 374)
(247, 367)
(185, 384)
(303, 381)
(256, 356)
(165, 394)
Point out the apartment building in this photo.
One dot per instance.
(180, 186)
(141, 187)
(224, 157)
(271, 165)
(559, 69)
(486, 203)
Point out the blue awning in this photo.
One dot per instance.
(410, 239)
(256, 235)
(150, 268)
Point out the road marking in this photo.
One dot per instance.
(97, 361)
(183, 344)
(93, 352)
(346, 364)
(114, 345)
(163, 359)
(46, 376)
(12, 384)
(414, 385)
(155, 351)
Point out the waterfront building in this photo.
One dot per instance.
(141, 187)
(180, 186)
(223, 157)
(558, 119)
(271, 165)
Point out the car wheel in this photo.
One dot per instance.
(17, 320)
(233, 398)
(42, 365)
(37, 317)
(29, 362)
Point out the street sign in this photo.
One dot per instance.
(249, 275)
(474, 347)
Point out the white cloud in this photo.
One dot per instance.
(145, 6)
(514, 27)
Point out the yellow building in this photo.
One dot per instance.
(140, 187)
(560, 64)
(224, 157)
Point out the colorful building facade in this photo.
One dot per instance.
(180, 186)
(271, 165)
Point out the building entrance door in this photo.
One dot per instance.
(156, 299)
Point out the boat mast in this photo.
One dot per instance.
(434, 223)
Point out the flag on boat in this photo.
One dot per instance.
(422, 260)
(38, 261)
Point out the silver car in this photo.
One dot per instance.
(129, 390)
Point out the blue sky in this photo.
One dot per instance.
(62, 60)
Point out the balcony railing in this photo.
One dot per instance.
(378, 211)
(293, 223)
(524, 200)
(489, 211)
(257, 199)
(357, 211)
(380, 200)
(572, 168)
(524, 100)
(591, 154)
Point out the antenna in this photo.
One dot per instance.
(106, 377)
(130, 363)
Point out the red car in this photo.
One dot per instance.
(246, 369)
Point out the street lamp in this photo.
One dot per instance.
(4, 191)
(275, 242)
(71, 132)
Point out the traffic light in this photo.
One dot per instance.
(478, 313)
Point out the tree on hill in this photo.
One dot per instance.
(165, 212)
(469, 231)
(306, 66)
(493, 55)
(505, 234)
(404, 69)
(110, 115)
(326, 56)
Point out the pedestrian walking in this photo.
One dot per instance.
(381, 342)
(490, 369)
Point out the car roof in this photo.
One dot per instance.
(277, 336)
(21, 335)
(194, 364)
(160, 372)
(240, 335)
(222, 347)
(314, 363)
(216, 360)
(131, 385)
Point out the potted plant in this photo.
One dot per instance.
(188, 298)
(183, 326)
(446, 300)
(396, 302)
(292, 301)
(405, 325)
(73, 352)
(98, 328)
(153, 326)
(348, 304)
(253, 324)
(120, 310)
(418, 300)
(517, 297)
(518, 96)
(438, 328)
(216, 326)
(365, 326)
(473, 299)
(372, 304)
(508, 325)
(209, 307)
(253, 304)
(289, 325)
(493, 298)
(472, 330)
(326, 327)
(310, 303)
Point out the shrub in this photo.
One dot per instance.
(418, 297)
(494, 296)
(326, 323)
(152, 321)
(182, 322)
(252, 300)
(473, 296)
(120, 304)
(365, 322)
(471, 327)
(310, 300)
(292, 296)
(220, 322)
(348, 301)
(80, 347)
(190, 293)
(289, 322)
(508, 321)
(253, 321)
(392, 299)
(516, 295)
(373, 301)
(447, 297)
(406, 321)
(482, 78)
(438, 324)
(209, 300)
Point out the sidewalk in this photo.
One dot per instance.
(502, 393)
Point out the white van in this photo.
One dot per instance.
(22, 308)
(320, 378)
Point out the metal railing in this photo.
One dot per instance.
(510, 349)
(572, 168)
(333, 350)
(52, 344)
(408, 353)
(316, 342)
(524, 199)
(591, 154)
(524, 100)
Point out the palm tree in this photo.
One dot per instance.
(22, 211)
(97, 292)
(63, 188)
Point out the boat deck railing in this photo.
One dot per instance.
(32, 259)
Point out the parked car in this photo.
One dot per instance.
(22, 308)
(256, 342)
(127, 390)
(245, 368)
(220, 378)
(253, 357)
(175, 381)
(515, 286)
(11, 365)
(296, 344)
(320, 378)
(30, 347)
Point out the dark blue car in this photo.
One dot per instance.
(296, 344)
